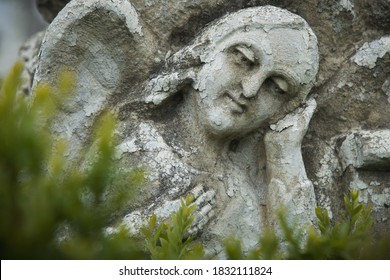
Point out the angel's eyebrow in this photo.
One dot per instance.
(247, 52)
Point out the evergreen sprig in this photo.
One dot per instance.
(170, 239)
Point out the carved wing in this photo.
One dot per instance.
(108, 47)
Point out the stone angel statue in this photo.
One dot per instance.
(222, 118)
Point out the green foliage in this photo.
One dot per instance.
(170, 240)
(351, 238)
(51, 208)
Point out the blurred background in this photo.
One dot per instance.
(19, 19)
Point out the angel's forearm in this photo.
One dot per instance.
(286, 165)
(289, 187)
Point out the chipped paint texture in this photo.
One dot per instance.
(366, 150)
(348, 5)
(358, 156)
(369, 53)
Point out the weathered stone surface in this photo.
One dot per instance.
(29, 55)
(159, 67)
(366, 150)
(369, 53)
(50, 8)
(375, 13)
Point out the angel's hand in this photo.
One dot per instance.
(205, 203)
(204, 199)
(288, 133)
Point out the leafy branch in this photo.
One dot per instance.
(170, 239)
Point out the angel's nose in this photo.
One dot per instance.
(252, 84)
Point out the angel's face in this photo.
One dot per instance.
(248, 79)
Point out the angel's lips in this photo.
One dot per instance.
(236, 105)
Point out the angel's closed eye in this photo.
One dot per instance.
(244, 57)
(281, 83)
